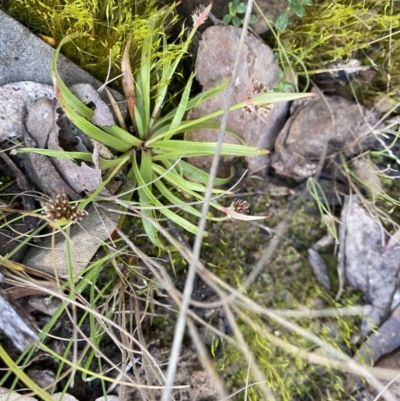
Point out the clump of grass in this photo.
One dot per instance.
(341, 30)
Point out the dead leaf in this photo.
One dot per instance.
(128, 83)
(48, 39)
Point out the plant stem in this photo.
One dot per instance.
(181, 323)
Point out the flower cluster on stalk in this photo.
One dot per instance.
(199, 16)
(260, 109)
(60, 208)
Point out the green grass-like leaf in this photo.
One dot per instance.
(189, 148)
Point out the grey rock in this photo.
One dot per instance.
(369, 266)
(43, 378)
(68, 397)
(8, 395)
(214, 64)
(334, 123)
(41, 127)
(93, 230)
(25, 57)
(15, 99)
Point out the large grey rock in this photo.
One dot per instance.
(25, 57)
(334, 123)
(214, 64)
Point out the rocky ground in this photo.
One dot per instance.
(320, 138)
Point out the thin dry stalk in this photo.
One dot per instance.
(255, 370)
(205, 359)
(181, 323)
(315, 358)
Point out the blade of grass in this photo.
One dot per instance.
(179, 182)
(181, 109)
(125, 136)
(263, 98)
(145, 200)
(145, 176)
(95, 132)
(316, 191)
(207, 148)
(91, 197)
(55, 153)
(201, 176)
(143, 94)
(75, 108)
(171, 215)
(60, 89)
(202, 125)
(170, 71)
(162, 89)
(23, 376)
(117, 111)
(196, 101)
(104, 163)
(174, 200)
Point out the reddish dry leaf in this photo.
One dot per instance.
(128, 82)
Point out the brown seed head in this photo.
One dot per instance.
(240, 206)
(257, 89)
(60, 208)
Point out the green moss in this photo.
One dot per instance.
(287, 283)
(107, 25)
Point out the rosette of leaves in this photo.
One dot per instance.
(155, 151)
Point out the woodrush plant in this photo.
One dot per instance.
(156, 150)
(94, 303)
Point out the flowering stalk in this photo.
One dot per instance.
(238, 211)
(199, 16)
